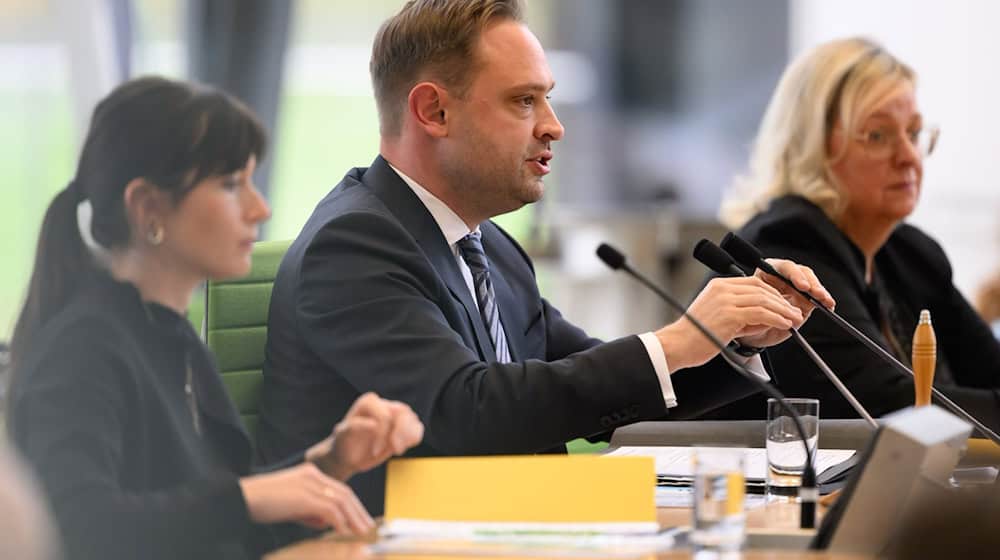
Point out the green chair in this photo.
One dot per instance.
(235, 328)
(578, 446)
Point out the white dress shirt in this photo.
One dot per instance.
(454, 229)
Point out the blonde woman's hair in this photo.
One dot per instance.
(834, 83)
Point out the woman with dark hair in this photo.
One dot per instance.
(114, 400)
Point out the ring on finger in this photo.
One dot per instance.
(329, 492)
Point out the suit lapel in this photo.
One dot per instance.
(413, 215)
(511, 313)
(444, 262)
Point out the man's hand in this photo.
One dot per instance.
(804, 279)
(757, 310)
(373, 430)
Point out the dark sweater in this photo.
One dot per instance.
(911, 272)
(98, 408)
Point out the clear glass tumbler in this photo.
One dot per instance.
(786, 457)
(718, 527)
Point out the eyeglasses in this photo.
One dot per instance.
(883, 142)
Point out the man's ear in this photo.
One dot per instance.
(146, 207)
(428, 105)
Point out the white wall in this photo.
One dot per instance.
(953, 45)
(87, 33)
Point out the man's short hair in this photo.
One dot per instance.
(430, 40)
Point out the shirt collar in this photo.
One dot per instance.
(452, 226)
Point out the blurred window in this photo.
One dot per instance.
(37, 149)
(327, 122)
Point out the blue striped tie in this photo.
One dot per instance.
(471, 247)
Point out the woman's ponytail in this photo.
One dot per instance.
(62, 263)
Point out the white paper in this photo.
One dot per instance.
(544, 546)
(676, 462)
(547, 540)
(683, 497)
(487, 529)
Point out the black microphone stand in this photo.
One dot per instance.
(807, 491)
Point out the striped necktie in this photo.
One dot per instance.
(471, 248)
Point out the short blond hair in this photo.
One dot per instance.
(430, 39)
(834, 83)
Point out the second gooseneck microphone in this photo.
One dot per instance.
(807, 491)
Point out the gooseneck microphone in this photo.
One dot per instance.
(751, 257)
(807, 491)
(712, 256)
(717, 259)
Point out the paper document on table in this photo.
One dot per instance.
(545, 545)
(675, 462)
(683, 496)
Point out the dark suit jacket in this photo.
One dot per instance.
(98, 409)
(370, 298)
(911, 273)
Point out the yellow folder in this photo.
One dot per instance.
(526, 489)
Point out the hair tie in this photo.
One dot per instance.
(84, 218)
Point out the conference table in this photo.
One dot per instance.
(761, 522)
(781, 518)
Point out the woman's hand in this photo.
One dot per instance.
(373, 430)
(305, 495)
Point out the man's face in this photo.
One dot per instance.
(500, 132)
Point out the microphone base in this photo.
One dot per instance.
(779, 539)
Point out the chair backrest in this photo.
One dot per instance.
(235, 328)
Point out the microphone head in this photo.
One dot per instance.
(747, 255)
(741, 250)
(611, 256)
(712, 256)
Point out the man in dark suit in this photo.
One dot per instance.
(401, 284)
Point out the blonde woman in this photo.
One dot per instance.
(836, 168)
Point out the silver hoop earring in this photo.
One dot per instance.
(155, 235)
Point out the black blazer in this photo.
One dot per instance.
(370, 298)
(99, 410)
(911, 272)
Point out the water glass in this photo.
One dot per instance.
(786, 457)
(718, 528)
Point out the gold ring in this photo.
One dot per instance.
(329, 492)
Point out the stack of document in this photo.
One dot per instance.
(676, 496)
(539, 544)
(674, 464)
